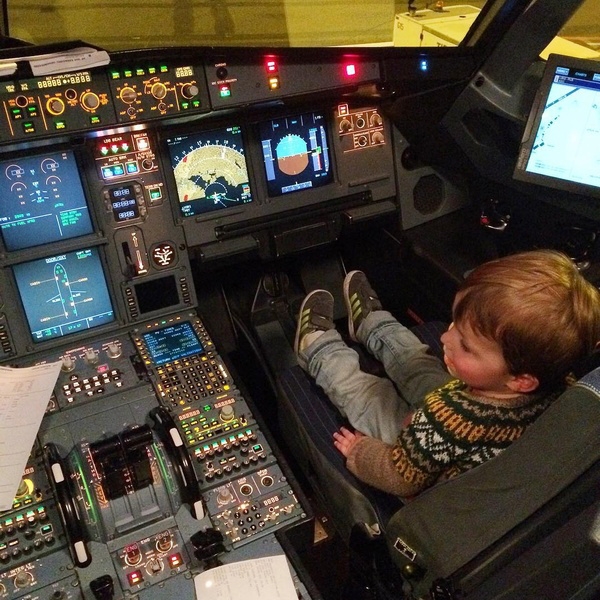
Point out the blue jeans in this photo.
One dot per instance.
(374, 405)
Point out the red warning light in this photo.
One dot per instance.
(135, 577)
(350, 69)
(175, 560)
(271, 65)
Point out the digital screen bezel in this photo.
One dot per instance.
(33, 231)
(279, 183)
(234, 139)
(535, 122)
(31, 303)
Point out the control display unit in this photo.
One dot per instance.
(296, 153)
(42, 200)
(172, 343)
(561, 144)
(64, 294)
(210, 170)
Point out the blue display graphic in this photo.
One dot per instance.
(210, 170)
(296, 155)
(64, 294)
(172, 343)
(42, 200)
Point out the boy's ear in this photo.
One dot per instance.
(524, 383)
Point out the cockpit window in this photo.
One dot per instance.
(581, 34)
(123, 24)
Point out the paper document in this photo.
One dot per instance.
(55, 63)
(257, 579)
(24, 396)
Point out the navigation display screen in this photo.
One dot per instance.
(210, 170)
(42, 200)
(296, 154)
(172, 343)
(64, 294)
(561, 145)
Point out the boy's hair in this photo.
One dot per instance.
(537, 306)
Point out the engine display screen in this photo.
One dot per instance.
(172, 343)
(210, 170)
(42, 200)
(64, 294)
(296, 153)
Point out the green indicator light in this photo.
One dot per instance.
(139, 71)
(128, 73)
(152, 70)
(196, 103)
(164, 68)
(115, 74)
(94, 119)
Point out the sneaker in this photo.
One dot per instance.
(360, 299)
(315, 316)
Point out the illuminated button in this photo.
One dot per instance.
(28, 127)
(350, 70)
(274, 82)
(135, 578)
(175, 560)
(16, 113)
(224, 90)
(60, 125)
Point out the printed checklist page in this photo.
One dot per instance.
(257, 579)
(24, 396)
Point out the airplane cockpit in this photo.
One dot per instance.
(174, 179)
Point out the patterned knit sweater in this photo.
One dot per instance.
(452, 432)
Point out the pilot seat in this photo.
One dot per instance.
(522, 526)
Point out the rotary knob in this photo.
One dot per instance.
(55, 106)
(128, 95)
(23, 579)
(227, 413)
(91, 356)
(68, 363)
(158, 90)
(113, 350)
(90, 101)
(189, 90)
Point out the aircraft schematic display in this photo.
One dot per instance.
(210, 170)
(64, 294)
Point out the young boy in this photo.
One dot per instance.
(520, 324)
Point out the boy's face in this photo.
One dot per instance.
(478, 361)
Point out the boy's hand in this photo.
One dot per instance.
(345, 440)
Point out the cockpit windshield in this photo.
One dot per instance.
(122, 24)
